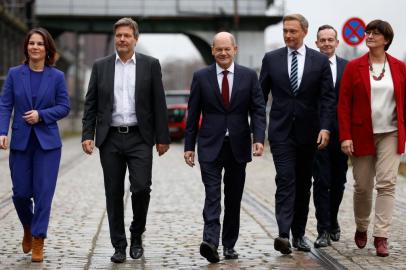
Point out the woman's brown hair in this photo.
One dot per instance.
(382, 27)
(49, 43)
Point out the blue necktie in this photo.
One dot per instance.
(294, 82)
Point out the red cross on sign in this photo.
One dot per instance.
(353, 31)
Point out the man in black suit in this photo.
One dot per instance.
(299, 121)
(125, 106)
(226, 95)
(330, 167)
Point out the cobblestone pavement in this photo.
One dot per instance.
(78, 235)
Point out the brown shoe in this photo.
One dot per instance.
(37, 249)
(381, 245)
(361, 239)
(26, 243)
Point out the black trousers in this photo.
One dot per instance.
(234, 179)
(330, 170)
(293, 164)
(119, 152)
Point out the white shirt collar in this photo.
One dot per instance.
(132, 58)
(220, 69)
(301, 50)
(333, 60)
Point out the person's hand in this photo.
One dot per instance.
(162, 148)
(190, 158)
(3, 142)
(88, 146)
(347, 147)
(257, 149)
(31, 117)
(323, 139)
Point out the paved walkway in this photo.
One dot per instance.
(78, 235)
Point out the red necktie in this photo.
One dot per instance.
(225, 91)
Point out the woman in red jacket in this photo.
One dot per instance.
(372, 131)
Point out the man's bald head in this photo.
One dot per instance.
(222, 36)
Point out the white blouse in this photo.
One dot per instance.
(383, 105)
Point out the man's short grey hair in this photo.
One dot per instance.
(297, 17)
(127, 22)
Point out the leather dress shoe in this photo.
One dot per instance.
(300, 244)
(118, 256)
(282, 245)
(335, 234)
(361, 239)
(136, 249)
(323, 240)
(230, 254)
(209, 251)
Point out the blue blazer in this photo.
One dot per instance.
(311, 110)
(52, 105)
(246, 101)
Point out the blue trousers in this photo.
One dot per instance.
(34, 173)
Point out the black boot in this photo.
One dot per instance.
(136, 249)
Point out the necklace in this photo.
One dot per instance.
(372, 70)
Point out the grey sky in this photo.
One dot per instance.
(336, 12)
(318, 12)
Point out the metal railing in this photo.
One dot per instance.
(150, 7)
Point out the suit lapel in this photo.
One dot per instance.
(236, 83)
(364, 71)
(340, 69)
(307, 68)
(110, 77)
(214, 83)
(285, 69)
(394, 69)
(139, 74)
(25, 76)
(44, 85)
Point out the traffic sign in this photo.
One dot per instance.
(353, 31)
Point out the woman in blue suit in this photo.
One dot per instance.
(37, 93)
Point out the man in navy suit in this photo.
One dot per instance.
(330, 167)
(299, 122)
(225, 94)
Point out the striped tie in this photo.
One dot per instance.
(294, 83)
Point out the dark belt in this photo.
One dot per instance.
(124, 129)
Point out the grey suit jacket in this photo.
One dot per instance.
(150, 102)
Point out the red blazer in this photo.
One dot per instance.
(354, 104)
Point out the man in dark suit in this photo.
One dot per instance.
(225, 94)
(299, 121)
(125, 106)
(330, 167)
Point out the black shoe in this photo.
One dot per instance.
(335, 234)
(323, 240)
(282, 245)
(209, 251)
(230, 254)
(300, 244)
(118, 256)
(136, 249)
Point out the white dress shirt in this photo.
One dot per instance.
(230, 77)
(300, 62)
(333, 66)
(124, 93)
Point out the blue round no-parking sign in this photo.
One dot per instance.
(353, 31)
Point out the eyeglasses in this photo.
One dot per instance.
(373, 33)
